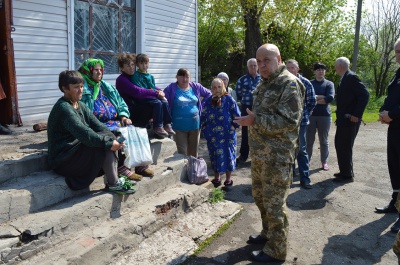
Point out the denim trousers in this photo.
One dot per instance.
(302, 156)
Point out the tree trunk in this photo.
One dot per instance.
(357, 36)
(252, 38)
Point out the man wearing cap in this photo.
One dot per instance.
(225, 78)
(308, 106)
(320, 119)
(351, 100)
(244, 88)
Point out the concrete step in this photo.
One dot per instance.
(182, 236)
(39, 190)
(27, 163)
(95, 228)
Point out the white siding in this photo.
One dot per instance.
(167, 32)
(170, 38)
(41, 53)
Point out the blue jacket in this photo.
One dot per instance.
(198, 89)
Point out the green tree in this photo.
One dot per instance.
(220, 36)
(308, 30)
(381, 29)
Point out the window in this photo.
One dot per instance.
(104, 28)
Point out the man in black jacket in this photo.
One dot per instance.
(390, 114)
(351, 100)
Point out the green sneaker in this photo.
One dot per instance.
(123, 186)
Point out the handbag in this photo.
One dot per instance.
(196, 169)
(137, 146)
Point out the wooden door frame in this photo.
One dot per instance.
(9, 112)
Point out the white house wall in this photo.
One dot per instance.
(41, 53)
(167, 33)
(170, 38)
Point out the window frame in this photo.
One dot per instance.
(91, 51)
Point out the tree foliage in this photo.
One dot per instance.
(306, 30)
(381, 30)
(219, 37)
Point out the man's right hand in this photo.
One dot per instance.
(245, 120)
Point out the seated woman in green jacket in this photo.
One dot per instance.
(81, 148)
(108, 106)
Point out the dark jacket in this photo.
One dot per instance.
(351, 99)
(392, 101)
(69, 128)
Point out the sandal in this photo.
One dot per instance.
(216, 182)
(228, 183)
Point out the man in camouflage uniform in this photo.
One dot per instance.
(273, 137)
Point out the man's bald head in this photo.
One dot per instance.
(268, 59)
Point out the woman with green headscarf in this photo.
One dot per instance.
(109, 107)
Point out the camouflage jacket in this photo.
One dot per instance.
(278, 106)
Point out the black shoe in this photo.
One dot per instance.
(260, 256)
(306, 185)
(387, 209)
(258, 239)
(396, 226)
(337, 175)
(241, 160)
(343, 179)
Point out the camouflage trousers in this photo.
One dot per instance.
(396, 246)
(270, 188)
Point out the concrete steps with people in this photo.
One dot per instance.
(94, 228)
(39, 190)
(42, 221)
(22, 195)
(24, 160)
(35, 217)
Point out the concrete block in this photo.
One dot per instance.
(10, 169)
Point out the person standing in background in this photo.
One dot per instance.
(320, 119)
(390, 114)
(351, 100)
(225, 78)
(308, 106)
(244, 88)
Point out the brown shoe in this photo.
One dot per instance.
(147, 173)
(123, 170)
(135, 176)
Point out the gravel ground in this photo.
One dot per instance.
(330, 224)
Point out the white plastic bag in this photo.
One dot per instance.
(137, 146)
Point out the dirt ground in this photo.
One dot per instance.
(329, 224)
(23, 142)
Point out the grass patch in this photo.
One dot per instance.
(216, 195)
